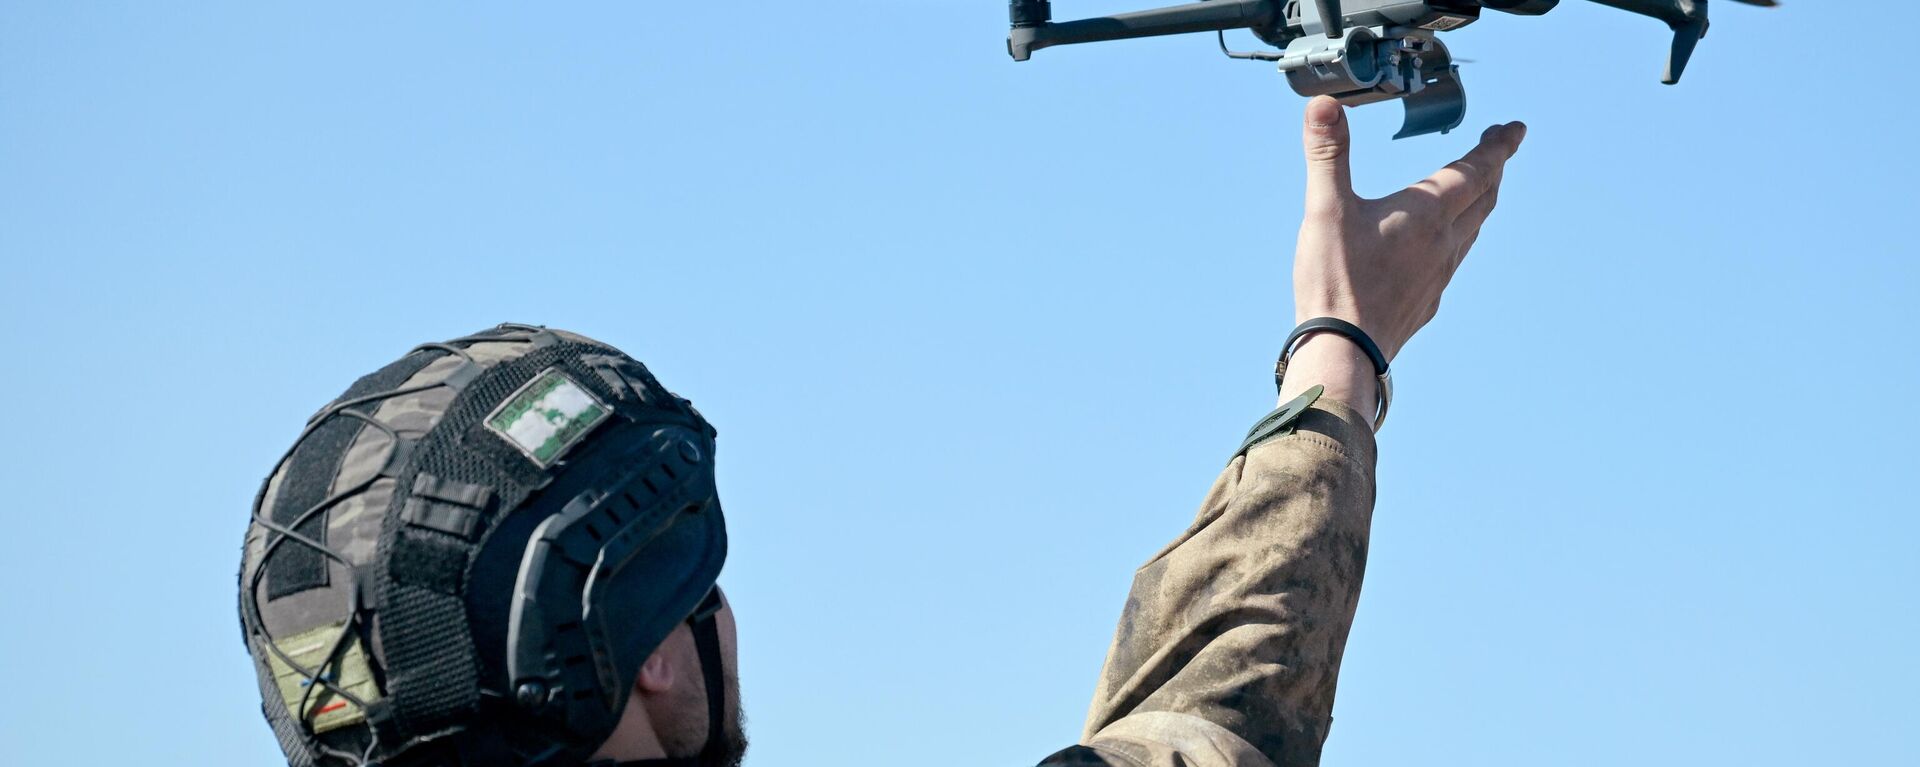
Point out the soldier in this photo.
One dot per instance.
(502, 549)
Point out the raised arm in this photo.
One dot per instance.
(1229, 648)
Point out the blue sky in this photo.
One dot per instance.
(977, 336)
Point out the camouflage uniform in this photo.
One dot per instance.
(1229, 647)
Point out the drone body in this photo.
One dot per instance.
(1358, 51)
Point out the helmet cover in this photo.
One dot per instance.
(464, 559)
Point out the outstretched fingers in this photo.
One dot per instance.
(1477, 212)
(1465, 181)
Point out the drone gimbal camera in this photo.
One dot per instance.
(1358, 51)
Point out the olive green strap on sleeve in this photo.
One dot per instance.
(1279, 423)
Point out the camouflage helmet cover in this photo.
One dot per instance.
(389, 590)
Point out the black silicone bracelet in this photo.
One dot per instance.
(1345, 328)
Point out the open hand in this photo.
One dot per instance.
(1382, 264)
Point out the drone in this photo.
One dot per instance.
(1357, 51)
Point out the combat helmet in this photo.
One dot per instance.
(466, 557)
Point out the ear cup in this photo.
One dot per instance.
(604, 580)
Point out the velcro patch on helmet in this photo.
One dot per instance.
(325, 709)
(547, 417)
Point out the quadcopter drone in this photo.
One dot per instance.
(1358, 51)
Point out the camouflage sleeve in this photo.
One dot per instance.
(1229, 647)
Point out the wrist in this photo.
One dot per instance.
(1337, 363)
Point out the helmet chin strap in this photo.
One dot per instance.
(706, 639)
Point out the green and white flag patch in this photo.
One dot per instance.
(547, 416)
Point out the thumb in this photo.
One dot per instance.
(1329, 180)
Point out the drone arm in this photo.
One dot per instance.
(1179, 19)
(1685, 38)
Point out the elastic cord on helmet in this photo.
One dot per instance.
(323, 676)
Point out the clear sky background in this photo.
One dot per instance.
(977, 335)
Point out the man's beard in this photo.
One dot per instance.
(733, 747)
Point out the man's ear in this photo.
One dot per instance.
(656, 674)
